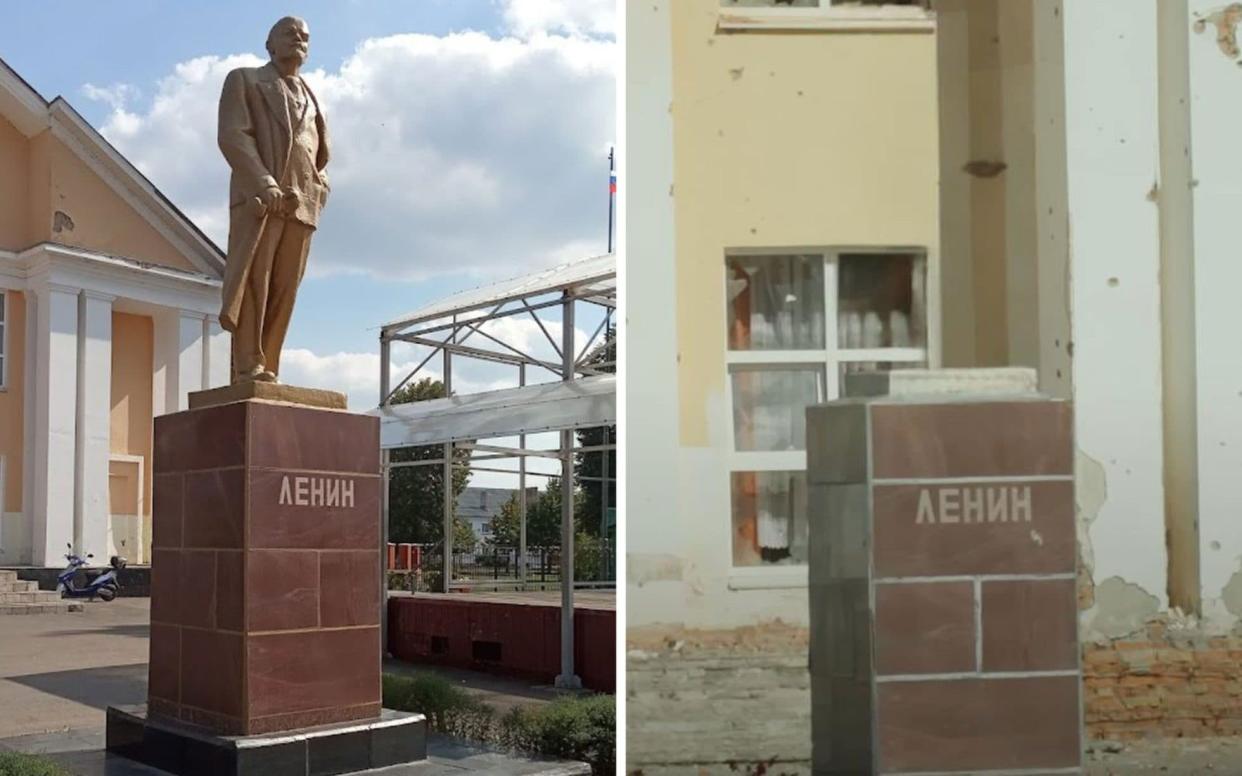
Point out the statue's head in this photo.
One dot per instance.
(289, 41)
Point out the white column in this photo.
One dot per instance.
(180, 359)
(55, 427)
(94, 407)
(219, 351)
(29, 413)
(1208, 311)
(655, 542)
(191, 346)
(1112, 146)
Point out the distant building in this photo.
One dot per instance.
(108, 297)
(478, 506)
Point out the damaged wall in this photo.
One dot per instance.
(1154, 192)
(1215, 120)
(1112, 156)
(49, 194)
(1163, 683)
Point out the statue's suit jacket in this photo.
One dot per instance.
(255, 135)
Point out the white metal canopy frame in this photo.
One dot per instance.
(579, 394)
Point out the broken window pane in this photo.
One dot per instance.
(769, 407)
(776, 302)
(769, 518)
(882, 301)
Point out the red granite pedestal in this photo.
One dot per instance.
(266, 569)
(942, 583)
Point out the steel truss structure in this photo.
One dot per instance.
(578, 392)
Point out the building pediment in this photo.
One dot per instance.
(81, 192)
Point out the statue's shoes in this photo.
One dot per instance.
(252, 374)
(266, 377)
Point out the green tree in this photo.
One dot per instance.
(463, 536)
(416, 493)
(590, 514)
(543, 518)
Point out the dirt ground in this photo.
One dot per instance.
(1178, 756)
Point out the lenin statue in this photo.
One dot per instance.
(273, 135)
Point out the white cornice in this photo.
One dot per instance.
(21, 104)
(51, 265)
(128, 183)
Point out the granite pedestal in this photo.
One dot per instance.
(942, 585)
(265, 575)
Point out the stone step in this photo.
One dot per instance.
(20, 586)
(30, 597)
(8, 576)
(60, 607)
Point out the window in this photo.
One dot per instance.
(799, 323)
(3, 338)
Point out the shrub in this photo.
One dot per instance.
(588, 557)
(449, 709)
(14, 764)
(571, 728)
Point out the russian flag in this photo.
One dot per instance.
(612, 183)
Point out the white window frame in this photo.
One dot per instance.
(829, 359)
(829, 16)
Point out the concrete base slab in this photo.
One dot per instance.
(275, 392)
(396, 738)
(82, 753)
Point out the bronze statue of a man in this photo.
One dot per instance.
(274, 137)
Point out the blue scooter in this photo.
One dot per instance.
(104, 586)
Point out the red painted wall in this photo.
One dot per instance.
(464, 633)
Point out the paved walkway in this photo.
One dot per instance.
(61, 671)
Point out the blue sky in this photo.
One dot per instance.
(470, 139)
(139, 41)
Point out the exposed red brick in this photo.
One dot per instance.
(1162, 685)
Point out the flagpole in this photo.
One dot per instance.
(612, 192)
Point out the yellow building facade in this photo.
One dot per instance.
(107, 303)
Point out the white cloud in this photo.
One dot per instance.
(573, 17)
(451, 154)
(117, 95)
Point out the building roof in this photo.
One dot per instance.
(483, 503)
(31, 114)
(598, 272)
(586, 403)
